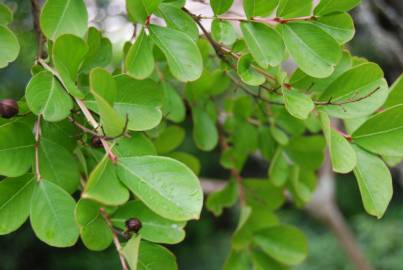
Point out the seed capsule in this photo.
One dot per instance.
(133, 225)
(8, 108)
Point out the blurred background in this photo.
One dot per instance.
(379, 37)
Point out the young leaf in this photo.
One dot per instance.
(262, 8)
(60, 17)
(140, 59)
(10, 47)
(307, 146)
(223, 32)
(169, 139)
(137, 145)
(165, 185)
(396, 93)
(131, 251)
(140, 101)
(284, 243)
(15, 198)
(139, 10)
(6, 15)
(279, 168)
(155, 257)
(333, 6)
(45, 96)
(294, 8)
(205, 132)
(58, 165)
(237, 260)
(94, 231)
(264, 43)
(247, 73)
(103, 87)
(221, 6)
(298, 104)
(68, 53)
(381, 132)
(374, 181)
(315, 52)
(261, 193)
(173, 107)
(99, 51)
(16, 149)
(154, 228)
(103, 185)
(177, 19)
(341, 152)
(223, 198)
(182, 54)
(52, 215)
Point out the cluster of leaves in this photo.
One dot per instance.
(94, 145)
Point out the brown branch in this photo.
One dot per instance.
(116, 241)
(37, 144)
(349, 101)
(36, 10)
(275, 20)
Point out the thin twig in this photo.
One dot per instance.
(348, 101)
(36, 10)
(275, 20)
(37, 144)
(115, 238)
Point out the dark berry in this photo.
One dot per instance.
(133, 225)
(8, 108)
(96, 142)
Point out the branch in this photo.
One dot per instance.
(349, 101)
(36, 10)
(276, 20)
(115, 238)
(37, 144)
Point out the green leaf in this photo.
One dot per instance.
(166, 186)
(177, 19)
(16, 149)
(140, 101)
(15, 198)
(99, 51)
(261, 193)
(60, 17)
(94, 231)
(68, 54)
(155, 228)
(333, 6)
(205, 133)
(395, 93)
(341, 152)
(169, 139)
(137, 145)
(52, 215)
(381, 132)
(264, 43)
(140, 59)
(139, 10)
(279, 168)
(261, 8)
(302, 184)
(302, 146)
(298, 104)
(374, 181)
(340, 26)
(284, 243)
(189, 160)
(294, 8)
(315, 52)
(155, 257)
(10, 47)
(103, 87)
(261, 262)
(6, 15)
(221, 6)
(173, 106)
(248, 73)
(45, 96)
(224, 198)
(182, 54)
(104, 186)
(58, 165)
(237, 260)
(131, 251)
(223, 32)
